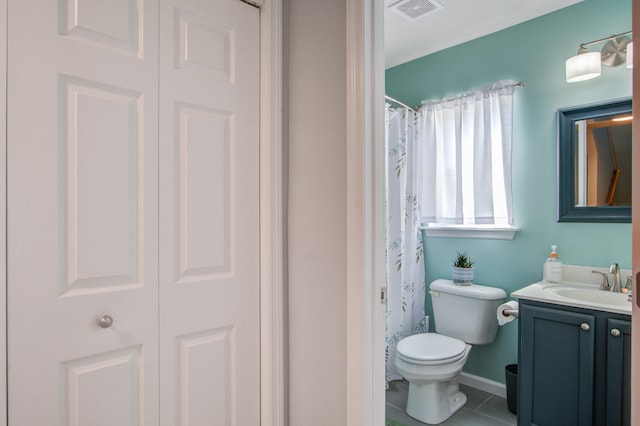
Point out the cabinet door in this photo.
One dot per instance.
(556, 356)
(618, 372)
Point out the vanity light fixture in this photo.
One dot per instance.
(587, 65)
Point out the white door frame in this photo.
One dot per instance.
(3, 213)
(273, 404)
(635, 226)
(365, 90)
(365, 210)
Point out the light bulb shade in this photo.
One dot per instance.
(583, 67)
(630, 55)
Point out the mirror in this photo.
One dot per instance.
(594, 162)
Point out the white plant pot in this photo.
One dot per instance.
(462, 276)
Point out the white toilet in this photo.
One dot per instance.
(431, 362)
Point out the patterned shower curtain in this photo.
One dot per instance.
(405, 250)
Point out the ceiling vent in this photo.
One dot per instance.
(414, 9)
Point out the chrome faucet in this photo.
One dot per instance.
(604, 284)
(615, 271)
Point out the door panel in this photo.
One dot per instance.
(206, 377)
(204, 180)
(115, 25)
(102, 135)
(97, 228)
(82, 213)
(89, 385)
(209, 211)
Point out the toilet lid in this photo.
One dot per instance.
(430, 347)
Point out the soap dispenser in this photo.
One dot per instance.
(552, 271)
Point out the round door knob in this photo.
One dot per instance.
(585, 326)
(105, 321)
(615, 332)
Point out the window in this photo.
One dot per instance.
(466, 158)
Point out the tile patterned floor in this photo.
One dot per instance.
(481, 409)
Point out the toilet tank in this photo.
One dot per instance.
(466, 312)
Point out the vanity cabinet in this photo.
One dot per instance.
(574, 366)
(618, 409)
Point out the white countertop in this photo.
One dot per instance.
(579, 289)
(559, 294)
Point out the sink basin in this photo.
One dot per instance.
(591, 296)
(579, 289)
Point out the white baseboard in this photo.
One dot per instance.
(486, 385)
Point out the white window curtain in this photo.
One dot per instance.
(466, 156)
(405, 250)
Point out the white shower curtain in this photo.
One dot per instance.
(405, 249)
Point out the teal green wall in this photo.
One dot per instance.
(534, 51)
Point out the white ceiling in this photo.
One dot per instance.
(456, 22)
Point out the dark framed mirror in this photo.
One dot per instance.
(594, 162)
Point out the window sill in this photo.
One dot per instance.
(488, 232)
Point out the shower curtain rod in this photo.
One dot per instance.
(389, 98)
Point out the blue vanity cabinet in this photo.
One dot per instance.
(556, 366)
(618, 372)
(574, 366)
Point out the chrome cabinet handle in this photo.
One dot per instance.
(615, 332)
(585, 326)
(105, 321)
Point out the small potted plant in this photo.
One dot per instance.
(462, 269)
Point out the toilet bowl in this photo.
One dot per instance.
(432, 375)
(432, 362)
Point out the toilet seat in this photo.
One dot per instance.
(430, 349)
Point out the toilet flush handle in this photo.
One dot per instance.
(434, 293)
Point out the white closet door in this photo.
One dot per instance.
(82, 212)
(209, 210)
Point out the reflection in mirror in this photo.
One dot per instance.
(603, 161)
(594, 162)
